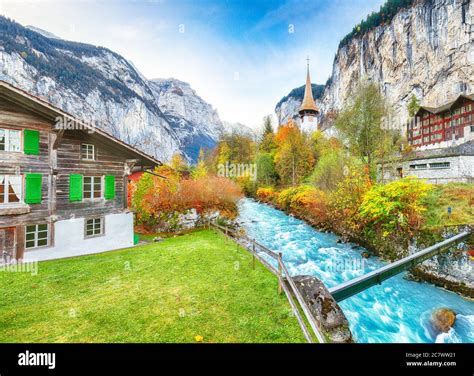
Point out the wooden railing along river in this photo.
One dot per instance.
(283, 275)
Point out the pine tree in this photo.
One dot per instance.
(267, 141)
(413, 106)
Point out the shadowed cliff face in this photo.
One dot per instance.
(427, 50)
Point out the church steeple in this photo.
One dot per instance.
(308, 104)
(308, 111)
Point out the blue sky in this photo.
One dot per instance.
(240, 56)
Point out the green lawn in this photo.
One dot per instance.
(458, 196)
(197, 284)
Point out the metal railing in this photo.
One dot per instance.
(282, 273)
(354, 286)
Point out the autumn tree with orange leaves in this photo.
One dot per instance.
(294, 159)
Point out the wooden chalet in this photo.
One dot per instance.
(63, 188)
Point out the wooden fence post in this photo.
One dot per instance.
(280, 273)
(253, 256)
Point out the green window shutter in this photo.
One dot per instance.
(75, 187)
(31, 142)
(33, 188)
(109, 192)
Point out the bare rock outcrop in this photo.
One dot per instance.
(324, 308)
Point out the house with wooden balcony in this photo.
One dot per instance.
(63, 182)
(442, 140)
(449, 125)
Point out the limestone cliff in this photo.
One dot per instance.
(426, 50)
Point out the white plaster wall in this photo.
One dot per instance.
(466, 166)
(309, 126)
(461, 169)
(69, 239)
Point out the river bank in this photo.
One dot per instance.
(453, 270)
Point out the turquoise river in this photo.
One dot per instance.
(397, 311)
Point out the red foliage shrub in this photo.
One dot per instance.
(154, 197)
(209, 193)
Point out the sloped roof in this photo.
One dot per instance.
(50, 112)
(445, 107)
(308, 100)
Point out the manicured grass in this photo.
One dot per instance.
(458, 196)
(198, 284)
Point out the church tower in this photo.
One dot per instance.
(308, 111)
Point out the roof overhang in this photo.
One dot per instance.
(51, 113)
(446, 107)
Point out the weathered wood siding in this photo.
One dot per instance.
(70, 162)
(14, 117)
(55, 167)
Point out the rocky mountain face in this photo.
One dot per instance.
(287, 108)
(161, 117)
(196, 122)
(240, 129)
(426, 50)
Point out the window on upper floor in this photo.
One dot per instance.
(88, 152)
(11, 187)
(92, 187)
(10, 140)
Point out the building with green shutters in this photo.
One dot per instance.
(63, 182)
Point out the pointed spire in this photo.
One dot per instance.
(308, 100)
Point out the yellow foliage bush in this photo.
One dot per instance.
(266, 194)
(396, 206)
(304, 200)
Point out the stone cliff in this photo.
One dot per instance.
(426, 50)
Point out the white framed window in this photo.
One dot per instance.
(10, 140)
(88, 152)
(36, 235)
(11, 189)
(94, 227)
(92, 187)
(438, 165)
(422, 166)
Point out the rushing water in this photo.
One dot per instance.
(399, 310)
